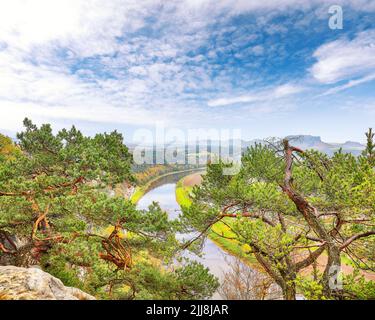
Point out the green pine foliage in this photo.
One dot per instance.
(57, 211)
(369, 152)
(259, 212)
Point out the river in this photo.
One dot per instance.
(215, 259)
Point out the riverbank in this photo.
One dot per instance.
(141, 190)
(220, 233)
(215, 259)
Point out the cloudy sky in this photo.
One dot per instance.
(267, 67)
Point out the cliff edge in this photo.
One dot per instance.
(34, 284)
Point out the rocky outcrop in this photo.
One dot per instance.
(34, 284)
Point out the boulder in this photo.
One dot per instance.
(34, 284)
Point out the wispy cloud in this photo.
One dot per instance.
(344, 59)
(350, 84)
(278, 92)
(134, 62)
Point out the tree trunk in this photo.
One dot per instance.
(331, 281)
(290, 292)
(310, 215)
(289, 287)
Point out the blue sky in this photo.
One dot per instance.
(268, 68)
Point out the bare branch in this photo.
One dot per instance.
(310, 259)
(357, 236)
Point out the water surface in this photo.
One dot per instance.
(214, 258)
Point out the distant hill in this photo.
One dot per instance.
(302, 141)
(315, 142)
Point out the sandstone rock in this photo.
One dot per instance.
(34, 284)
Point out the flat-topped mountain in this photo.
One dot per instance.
(315, 142)
(302, 141)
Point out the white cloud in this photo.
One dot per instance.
(90, 27)
(35, 75)
(278, 92)
(40, 40)
(350, 84)
(12, 114)
(87, 27)
(345, 59)
(234, 7)
(286, 90)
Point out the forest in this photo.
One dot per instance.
(288, 210)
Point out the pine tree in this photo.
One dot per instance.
(289, 206)
(369, 152)
(56, 211)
